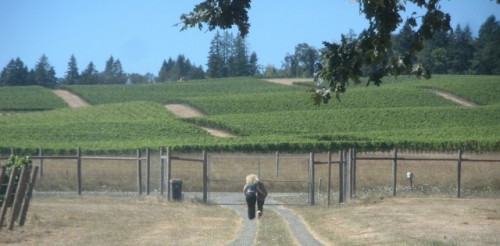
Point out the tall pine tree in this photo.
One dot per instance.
(44, 74)
(72, 74)
(89, 75)
(487, 53)
(215, 64)
(461, 51)
(15, 73)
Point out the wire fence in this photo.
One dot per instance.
(314, 178)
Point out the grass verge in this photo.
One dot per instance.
(107, 220)
(273, 230)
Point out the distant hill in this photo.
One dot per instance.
(262, 116)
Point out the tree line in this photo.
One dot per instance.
(453, 51)
(17, 73)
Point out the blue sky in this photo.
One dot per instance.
(142, 33)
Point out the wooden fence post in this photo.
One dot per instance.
(353, 179)
(205, 177)
(348, 174)
(162, 172)
(79, 170)
(19, 195)
(394, 171)
(6, 200)
(277, 163)
(139, 172)
(40, 154)
(341, 176)
(2, 174)
(27, 197)
(169, 171)
(459, 171)
(258, 166)
(311, 179)
(329, 177)
(148, 171)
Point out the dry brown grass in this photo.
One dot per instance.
(408, 221)
(106, 220)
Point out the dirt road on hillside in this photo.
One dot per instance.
(444, 94)
(186, 111)
(289, 81)
(74, 101)
(453, 98)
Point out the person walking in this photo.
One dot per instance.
(250, 194)
(261, 197)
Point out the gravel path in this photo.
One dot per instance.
(249, 228)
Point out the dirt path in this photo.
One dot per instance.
(444, 94)
(247, 233)
(289, 81)
(186, 111)
(181, 110)
(453, 97)
(74, 101)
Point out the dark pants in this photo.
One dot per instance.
(251, 198)
(260, 205)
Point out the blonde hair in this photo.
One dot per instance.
(251, 179)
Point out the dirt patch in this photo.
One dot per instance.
(218, 133)
(71, 99)
(289, 81)
(453, 98)
(186, 111)
(183, 110)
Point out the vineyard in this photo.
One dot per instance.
(28, 98)
(403, 112)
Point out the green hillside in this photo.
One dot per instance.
(28, 98)
(403, 112)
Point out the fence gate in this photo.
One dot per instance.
(287, 179)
